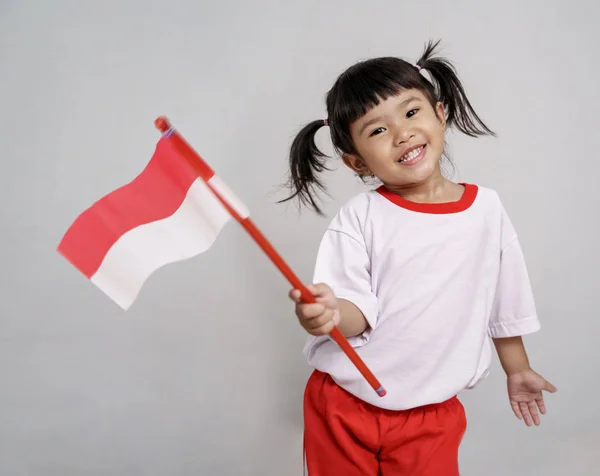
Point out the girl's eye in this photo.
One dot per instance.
(377, 131)
(411, 113)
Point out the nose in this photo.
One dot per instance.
(402, 135)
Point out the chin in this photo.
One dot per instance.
(425, 170)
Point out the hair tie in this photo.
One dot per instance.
(325, 122)
(419, 68)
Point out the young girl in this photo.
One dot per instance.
(419, 274)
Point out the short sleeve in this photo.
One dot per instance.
(514, 312)
(343, 264)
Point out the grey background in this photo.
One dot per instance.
(204, 375)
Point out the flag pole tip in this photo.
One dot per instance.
(162, 124)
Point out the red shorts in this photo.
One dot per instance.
(345, 436)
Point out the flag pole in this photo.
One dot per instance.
(192, 157)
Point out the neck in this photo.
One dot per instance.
(434, 189)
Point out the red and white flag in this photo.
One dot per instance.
(173, 210)
(168, 213)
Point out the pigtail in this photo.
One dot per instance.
(451, 93)
(306, 162)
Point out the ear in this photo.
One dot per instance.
(356, 163)
(440, 112)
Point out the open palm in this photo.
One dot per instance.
(525, 395)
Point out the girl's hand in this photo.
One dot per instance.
(525, 395)
(317, 318)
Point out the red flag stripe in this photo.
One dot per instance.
(156, 193)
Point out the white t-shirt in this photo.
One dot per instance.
(434, 281)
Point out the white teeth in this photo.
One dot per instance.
(412, 154)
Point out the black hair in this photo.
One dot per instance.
(360, 88)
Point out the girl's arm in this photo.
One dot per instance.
(524, 385)
(352, 320)
(512, 354)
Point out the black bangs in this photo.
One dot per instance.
(362, 87)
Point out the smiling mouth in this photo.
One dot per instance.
(413, 155)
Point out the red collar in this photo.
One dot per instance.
(467, 199)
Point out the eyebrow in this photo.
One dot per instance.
(378, 118)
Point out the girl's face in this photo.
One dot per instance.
(400, 141)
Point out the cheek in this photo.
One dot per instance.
(437, 138)
(373, 152)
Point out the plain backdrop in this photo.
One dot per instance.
(204, 374)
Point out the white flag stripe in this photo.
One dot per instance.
(231, 198)
(191, 230)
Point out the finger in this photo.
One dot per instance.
(310, 311)
(525, 412)
(322, 330)
(534, 413)
(336, 317)
(549, 387)
(320, 320)
(541, 405)
(295, 295)
(516, 410)
(320, 290)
